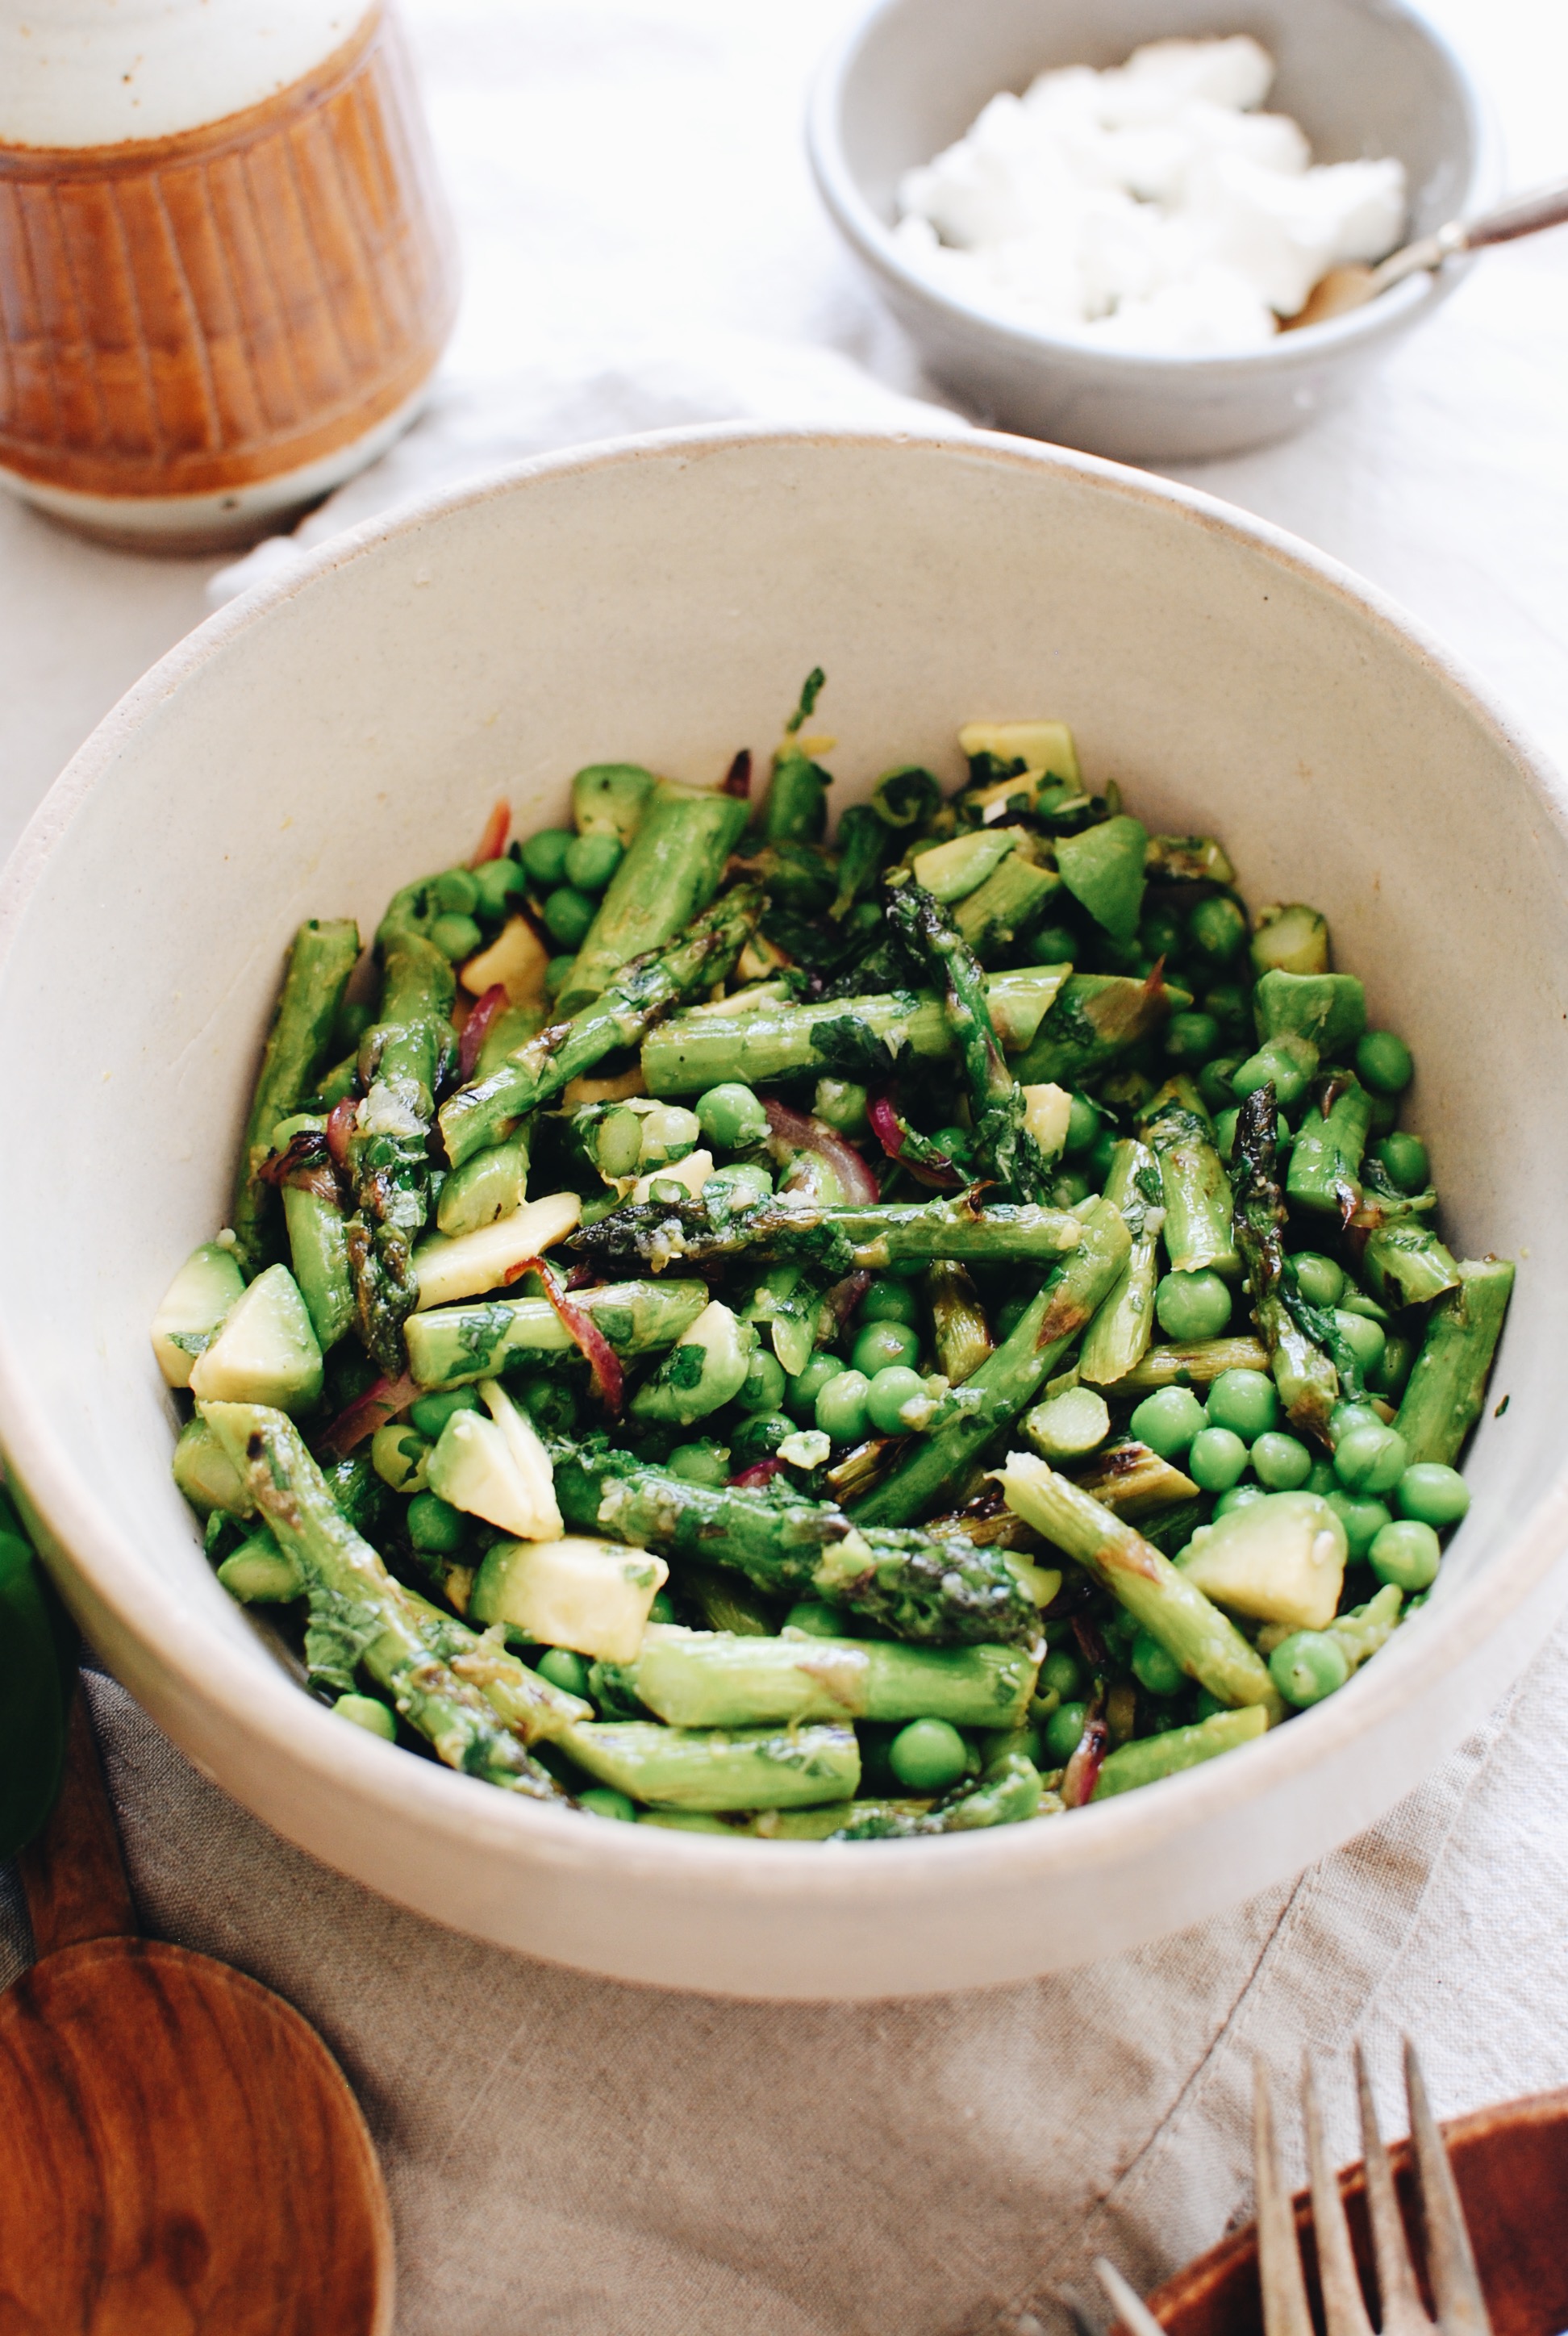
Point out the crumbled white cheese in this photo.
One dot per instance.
(1149, 207)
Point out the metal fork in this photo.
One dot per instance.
(1451, 2265)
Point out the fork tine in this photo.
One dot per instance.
(1450, 2263)
(1403, 2313)
(1344, 2310)
(1285, 2311)
(1129, 2307)
(1085, 2321)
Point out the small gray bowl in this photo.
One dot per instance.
(1362, 77)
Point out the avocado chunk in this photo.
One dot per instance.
(705, 1370)
(496, 1468)
(266, 1351)
(592, 1596)
(1328, 1008)
(1103, 869)
(1282, 1559)
(194, 1304)
(206, 1475)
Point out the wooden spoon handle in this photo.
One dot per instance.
(74, 1874)
(1524, 215)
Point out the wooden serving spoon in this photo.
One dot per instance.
(1344, 288)
(180, 2154)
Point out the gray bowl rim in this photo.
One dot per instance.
(1404, 305)
(261, 1709)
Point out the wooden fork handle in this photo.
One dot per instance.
(1524, 215)
(74, 1874)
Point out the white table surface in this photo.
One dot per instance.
(640, 234)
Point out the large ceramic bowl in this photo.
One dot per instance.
(1363, 77)
(317, 743)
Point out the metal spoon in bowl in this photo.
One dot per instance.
(1344, 288)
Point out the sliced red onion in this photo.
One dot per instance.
(608, 1378)
(378, 1404)
(339, 1128)
(1083, 1770)
(737, 778)
(844, 1295)
(808, 1134)
(492, 843)
(483, 1013)
(762, 1472)
(889, 1130)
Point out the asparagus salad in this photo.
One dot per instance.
(829, 1343)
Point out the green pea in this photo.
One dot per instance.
(1216, 928)
(618, 1143)
(592, 861)
(1068, 1190)
(670, 1133)
(1407, 1555)
(568, 914)
(1347, 1415)
(699, 1463)
(1383, 1117)
(663, 1607)
(886, 1300)
(457, 936)
(1404, 1159)
(927, 1756)
(455, 892)
(1217, 1460)
(758, 1437)
(1370, 1459)
(801, 1393)
(1321, 1478)
(550, 1402)
(1160, 933)
(1383, 1063)
(1308, 1666)
(762, 1387)
(839, 1410)
(890, 1391)
(544, 855)
(881, 1343)
(1320, 1281)
(1204, 1704)
(1054, 945)
(367, 1711)
(430, 1413)
(1155, 1667)
(433, 1524)
(350, 1023)
(1432, 1493)
(741, 1186)
(1362, 1517)
(1281, 1463)
(558, 972)
(604, 1801)
(1388, 1374)
(1167, 1421)
(842, 1104)
(1062, 1731)
(731, 1117)
(1231, 1007)
(815, 1619)
(1193, 1305)
(398, 1455)
(1365, 1338)
(1214, 1082)
(1083, 1124)
(1191, 1037)
(1242, 1497)
(499, 882)
(1101, 1158)
(1245, 1402)
(565, 1671)
(1061, 1674)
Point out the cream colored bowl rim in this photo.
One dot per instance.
(861, 226)
(264, 1712)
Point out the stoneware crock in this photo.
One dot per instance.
(325, 738)
(225, 270)
(1363, 77)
